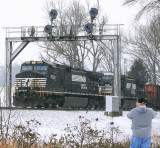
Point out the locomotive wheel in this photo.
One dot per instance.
(46, 105)
(91, 104)
(50, 105)
(50, 102)
(39, 106)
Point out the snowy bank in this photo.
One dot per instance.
(55, 122)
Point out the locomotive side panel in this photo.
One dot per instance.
(68, 80)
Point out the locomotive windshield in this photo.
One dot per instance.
(40, 67)
(27, 68)
(107, 77)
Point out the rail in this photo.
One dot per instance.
(60, 109)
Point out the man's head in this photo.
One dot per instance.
(141, 102)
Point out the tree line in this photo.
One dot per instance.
(142, 45)
(144, 42)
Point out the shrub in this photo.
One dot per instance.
(25, 136)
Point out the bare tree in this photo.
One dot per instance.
(145, 44)
(75, 53)
(148, 6)
(71, 53)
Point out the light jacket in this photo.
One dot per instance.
(141, 121)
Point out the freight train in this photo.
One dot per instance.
(40, 84)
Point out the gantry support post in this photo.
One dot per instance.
(9, 58)
(117, 73)
(8, 72)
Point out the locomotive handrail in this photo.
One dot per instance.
(39, 84)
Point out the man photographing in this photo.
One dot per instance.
(141, 117)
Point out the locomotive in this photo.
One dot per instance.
(40, 84)
(131, 89)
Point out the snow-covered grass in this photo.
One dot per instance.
(55, 122)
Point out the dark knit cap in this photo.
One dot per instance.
(141, 100)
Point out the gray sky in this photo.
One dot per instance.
(17, 13)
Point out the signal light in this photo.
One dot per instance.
(48, 29)
(53, 14)
(88, 28)
(93, 12)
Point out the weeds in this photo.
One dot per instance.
(25, 136)
(83, 135)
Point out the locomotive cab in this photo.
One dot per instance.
(30, 83)
(106, 84)
(131, 89)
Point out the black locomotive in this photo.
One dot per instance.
(40, 84)
(44, 85)
(131, 89)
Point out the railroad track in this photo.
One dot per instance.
(67, 109)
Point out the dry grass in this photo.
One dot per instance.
(61, 143)
(13, 144)
(81, 136)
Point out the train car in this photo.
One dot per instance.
(153, 94)
(40, 84)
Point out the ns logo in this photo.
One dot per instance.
(27, 83)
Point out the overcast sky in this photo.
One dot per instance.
(17, 13)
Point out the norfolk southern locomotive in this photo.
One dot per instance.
(40, 84)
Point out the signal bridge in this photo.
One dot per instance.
(19, 33)
(26, 34)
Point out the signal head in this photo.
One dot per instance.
(88, 28)
(93, 12)
(48, 29)
(53, 14)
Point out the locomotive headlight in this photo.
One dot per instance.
(16, 88)
(33, 62)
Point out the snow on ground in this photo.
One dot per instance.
(53, 121)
